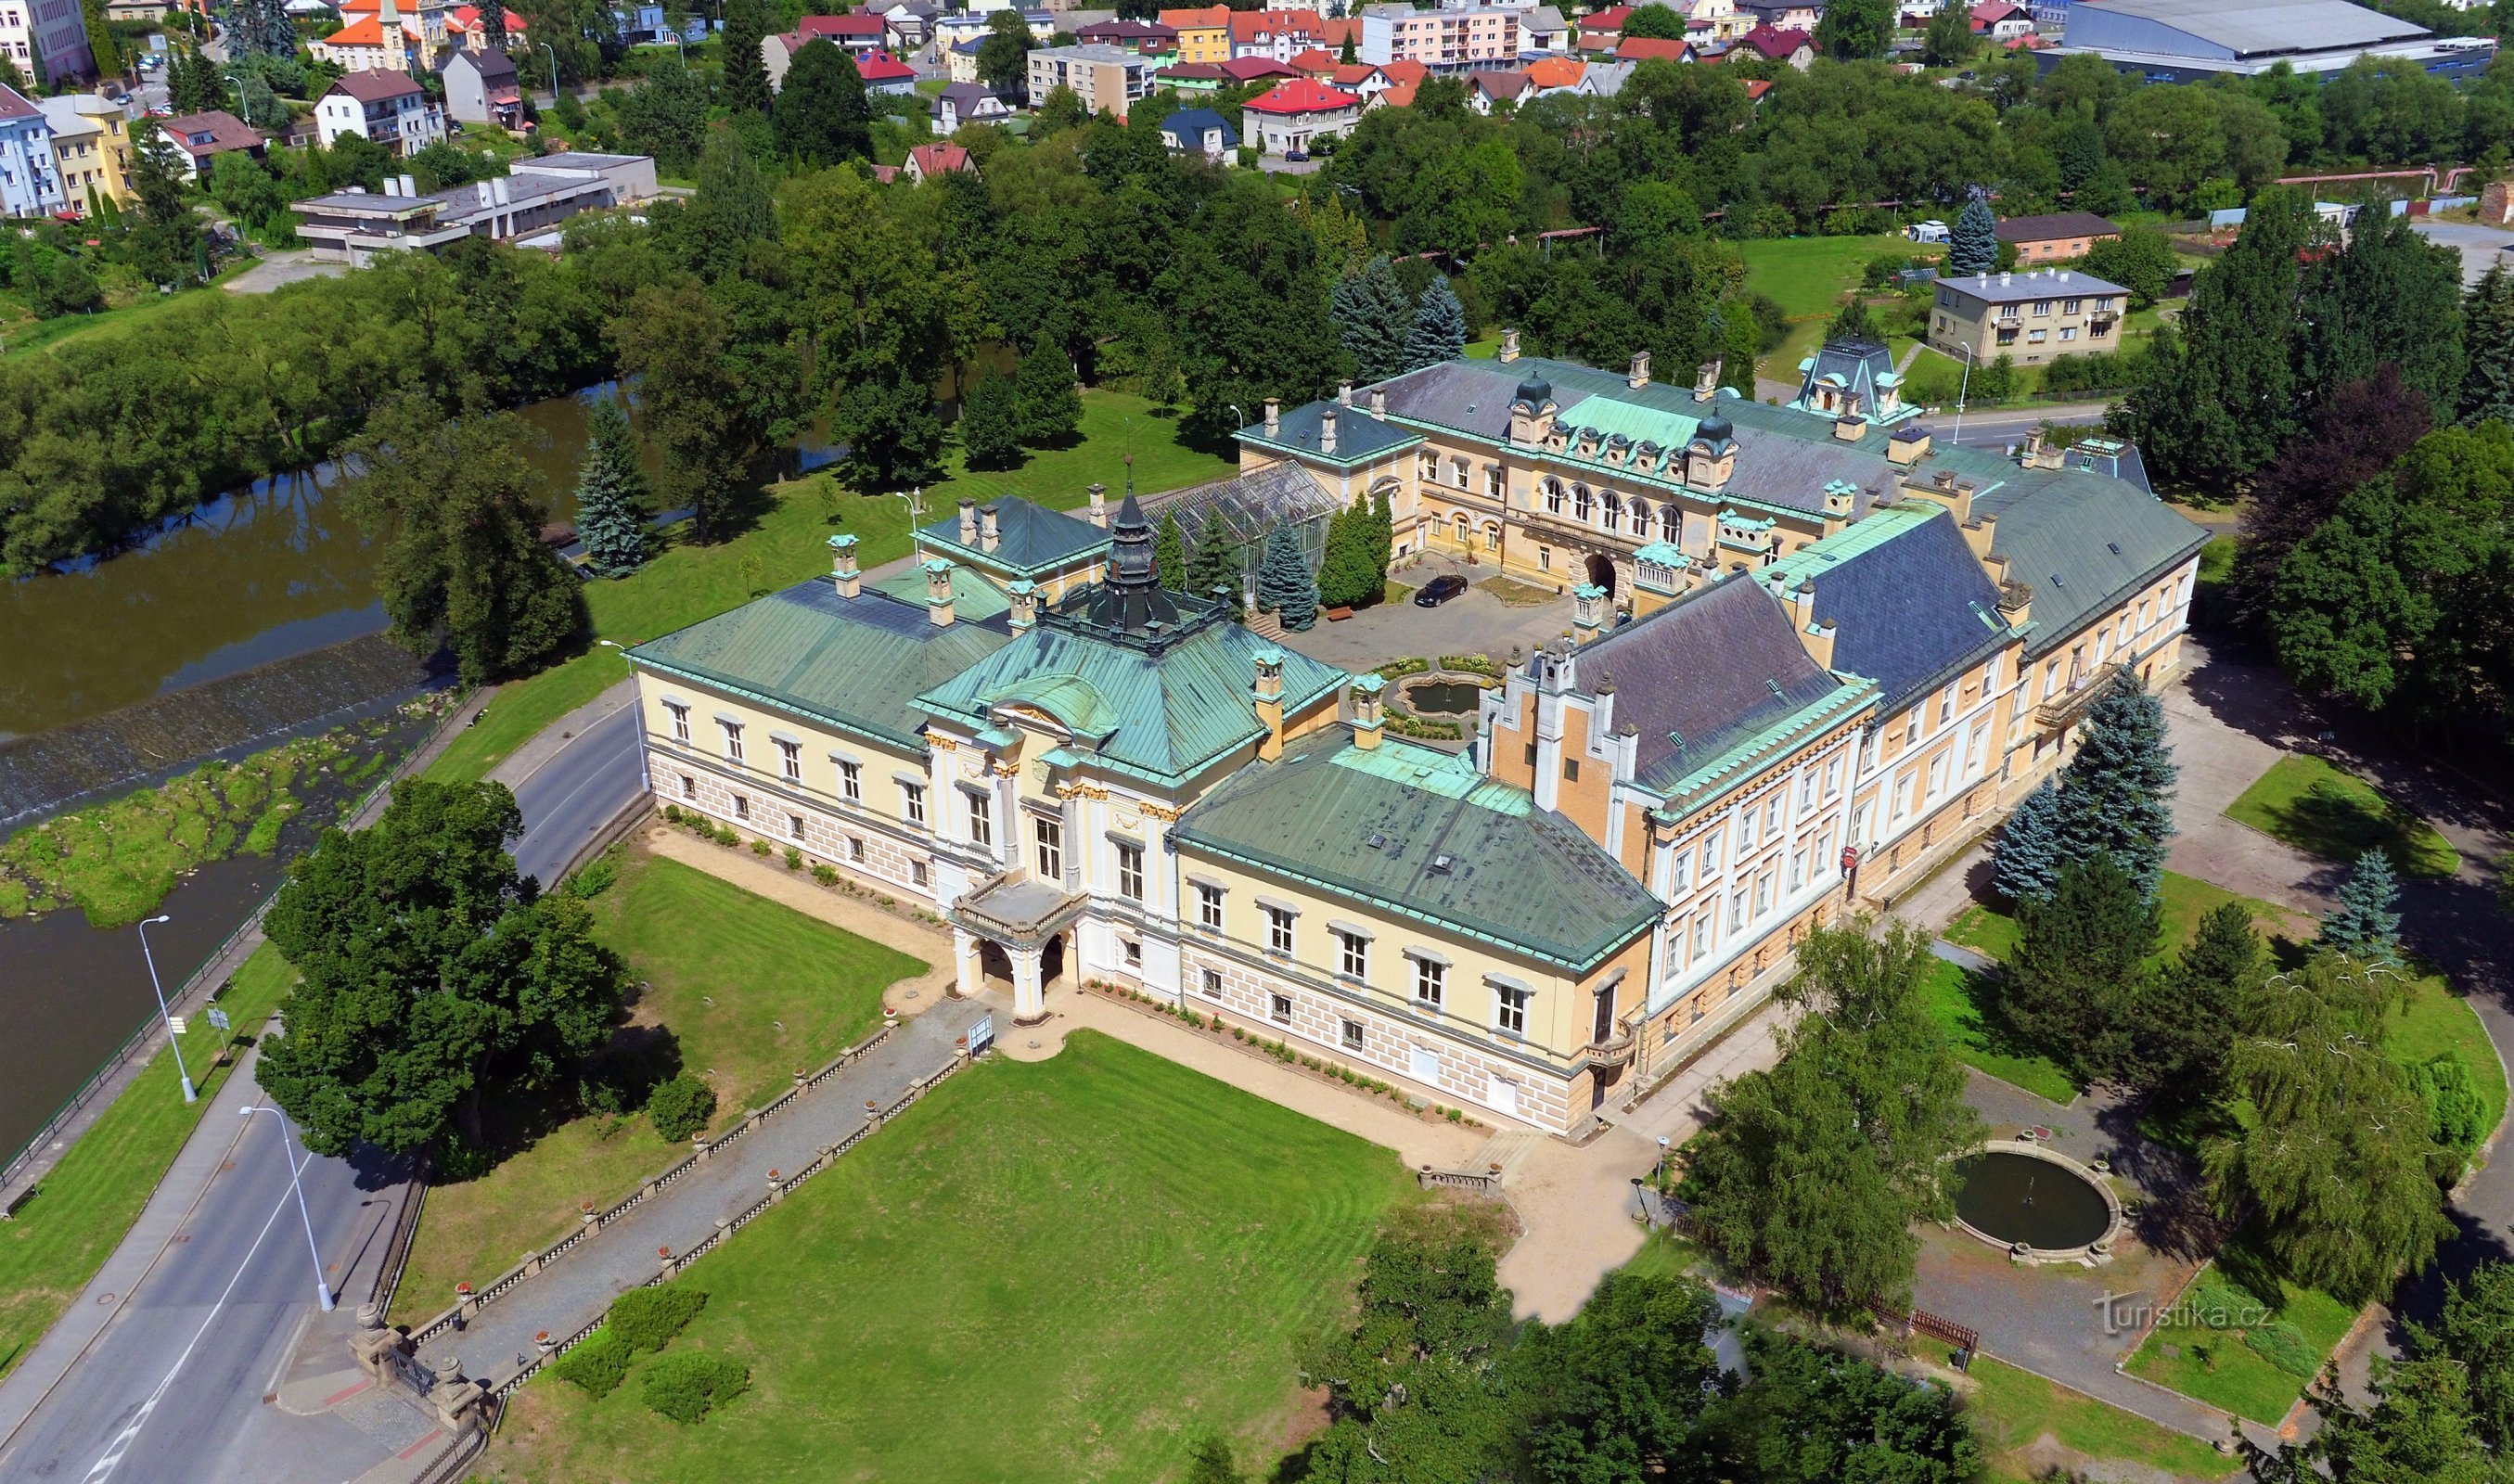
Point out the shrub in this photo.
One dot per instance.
(760, 848)
(827, 875)
(672, 812)
(2283, 1345)
(726, 834)
(687, 1386)
(2459, 1120)
(596, 879)
(793, 858)
(646, 1319)
(599, 1364)
(1455, 1114)
(681, 1106)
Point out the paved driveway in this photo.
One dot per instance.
(2481, 247)
(1473, 622)
(278, 268)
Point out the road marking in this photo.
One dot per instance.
(288, 1352)
(589, 729)
(122, 1441)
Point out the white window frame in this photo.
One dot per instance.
(1352, 953)
(681, 715)
(1130, 871)
(911, 803)
(790, 759)
(850, 781)
(1431, 983)
(1047, 842)
(1509, 1009)
(1278, 931)
(732, 731)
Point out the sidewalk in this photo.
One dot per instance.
(528, 757)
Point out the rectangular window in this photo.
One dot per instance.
(1213, 983)
(1737, 910)
(1209, 907)
(1798, 870)
(982, 820)
(1279, 930)
(1130, 872)
(2068, 332)
(1773, 816)
(1278, 1007)
(1431, 977)
(1570, 770)
(1975, 746)
(1134, 952)
(1807, 788)
(1711, 853)
(1937, 774)
(795, 826)
(789, 761)
(855, 850)
(851, 781)
(1903, 796)
(1509, 1010)
(2068, 306)
(1492, 480)
(1353, 954)
(1682, 876)
(732, 742)
(1763, 893)
(741, 807)
(2041, 307)
(1832, 778)
(1049, 837)
(680, 720)
(1531, 755)
(911, 797)
(1946, 705)
(916, 873)
(1701, 935)
(1351, 1035)
(1746, 830)
(689, 786)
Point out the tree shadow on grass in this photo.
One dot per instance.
(614, 1083)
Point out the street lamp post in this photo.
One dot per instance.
(162, 1015)
(1964, 387)
(322, 1288)
(553, 57)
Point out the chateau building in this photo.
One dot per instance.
(1812, 655)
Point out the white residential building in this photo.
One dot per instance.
(382, 105)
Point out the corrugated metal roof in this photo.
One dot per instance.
(1164, 708)
(2245, 26)
(859, 663)
(1702, 676)
(1421, 831)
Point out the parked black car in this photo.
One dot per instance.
(1440, 590)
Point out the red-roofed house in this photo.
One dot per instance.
(1556, 74)
(1396, 95)
(1249, 70)
(204, 137)
(1359, 78)
(1405, 74)
(1317, 62)
(1600, 33)
(1653, 49)
(1796, 48)
(1276, 33)
(1204, 33)
(464, 28)
(368, 45)
(854, 33)
(884, 73)
(1756, 88)
(1340, 29)
(926, 161)
(2001, 22)
(1298, 112)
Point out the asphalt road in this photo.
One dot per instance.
(2001, 427)
(174, 1388)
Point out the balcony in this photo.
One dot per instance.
(1616, 1051)
(2067, 708)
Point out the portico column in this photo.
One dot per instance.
(1030, 996)
(969, 977)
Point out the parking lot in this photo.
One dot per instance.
(1473, 622)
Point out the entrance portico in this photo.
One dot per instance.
(1014, 928)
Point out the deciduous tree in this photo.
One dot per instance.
(893, 437)
(990, 423)
(1003, 56)
(2385, 298)
(821, 114)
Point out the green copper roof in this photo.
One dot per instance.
(1411, 829)
(1162, 706)
(972, 595)
(855, 663)
(1030, 540)
(1610, 416)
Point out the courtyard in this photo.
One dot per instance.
(1477, 621)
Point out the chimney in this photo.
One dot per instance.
(1100, 504)
(1378, 402)
(1269, 696)
(1367, 719)
(1344, 394)
(968, 522)
(1274, 417)
(1025, 595)
(1978, 533)
(1909, 445)
(1850, 429)
(842, 558)
(1509, 347)
(938, 592)
(1816, 636)
(1639, 375)
(1706, 381)
(1327, 431)
(2016, 603)
(409, 186)
(989, 537)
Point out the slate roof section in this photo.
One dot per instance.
(1409, 828)
(856, 665)
(1360, 436)
(1912, 603)
(13, 105)
(1165, 710)
(1031, 541)
(2080, 542)
(1704, 674)
(1187, 127)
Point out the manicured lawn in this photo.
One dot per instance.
(1807, 275)
(1960, 1002)
(2010, 1409)
(1665, 1255)
(1984, 930)
(2331, 812)
(2219, 1367)
(749, 989)
(82, 1209)
(2435, 1021)
(789, 541)
(2183, 900)
(1064, 1270)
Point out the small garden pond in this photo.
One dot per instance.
(2021, 1199)
(1452, 696)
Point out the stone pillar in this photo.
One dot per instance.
(1029, 995)
(969, 979)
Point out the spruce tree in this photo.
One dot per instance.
(1346, 576)
(990, 424)
(1973, 246)
(1853, 322)
(2117, 793)
(1374, 319)
(2026, 860)
(2079, 962)
(2365, 924)
(1215, 562)
(1169, 553)
(2488, 340)
(1439, 332)
(2172, 1046)
(611, 495)
(745, 70)
(1284, 585)
(1047, 403)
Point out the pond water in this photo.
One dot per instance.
(1452, 696)
(2021, 1199)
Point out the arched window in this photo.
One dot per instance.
(1553, 495)
(1580, 502)
(1641, 517)
(1492, 536)
(1614, 510)
(1671, 524)
(1462, 528)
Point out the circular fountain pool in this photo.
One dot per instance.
(1444, 696)
(2035, 1203)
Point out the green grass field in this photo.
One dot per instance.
(2217, 1367)
(81, 1210)
(1960, 1002)
(751, 989)
(1064, 1270)
(1809, 276)
(2182, 899)
(2329, 811)
(2010, 1409)
(789, 541)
